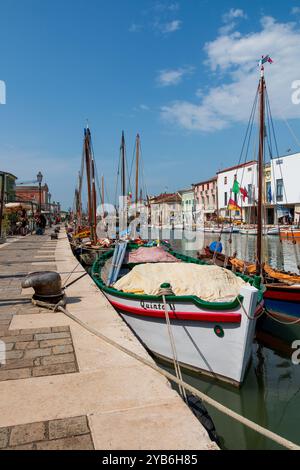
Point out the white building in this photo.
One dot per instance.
(246, 175)
(282, 188)
(188, 205)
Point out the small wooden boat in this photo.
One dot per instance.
(211, 337)
(282, 289)
(248, 231)
(290, 234)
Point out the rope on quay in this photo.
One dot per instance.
(210, 401)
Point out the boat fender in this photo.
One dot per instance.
(216, 246)
(197, 407)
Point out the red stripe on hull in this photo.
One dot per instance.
(284, 294)
(214, 317)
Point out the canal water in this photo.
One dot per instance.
(270, 394)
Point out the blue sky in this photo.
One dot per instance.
(181, 73)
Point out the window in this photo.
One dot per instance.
(268, 191)
(279, 190)
(225, 179)
(250, 194)
(225, 200)
(207, 186)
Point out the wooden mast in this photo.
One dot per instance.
(137, 162)
(260, 172)
(87, 135)
(123, 172)
(102, 193)
(94, 201)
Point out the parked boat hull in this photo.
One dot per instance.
(198, 345)
(283, 299)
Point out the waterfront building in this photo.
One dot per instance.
(282, 189)
(206, 198)
(32, 194)
(9, 190)
(187, 205)
(246, 175)
(165, 209)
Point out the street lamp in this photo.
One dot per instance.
(39, 178)
(49, 202)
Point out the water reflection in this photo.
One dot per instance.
(280, 255)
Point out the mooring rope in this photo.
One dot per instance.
(210, 401)
(163, 291)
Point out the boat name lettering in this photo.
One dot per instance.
(155, 306)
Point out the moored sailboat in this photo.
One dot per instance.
(282, 289)
(212, 337)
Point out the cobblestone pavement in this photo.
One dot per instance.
(35, 352)
(60, 434)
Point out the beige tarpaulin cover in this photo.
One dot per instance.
(210, 283)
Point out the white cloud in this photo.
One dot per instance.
(233, 58)
(173, 77)
(169, 27)
(144, 107)
(135, 28)
(228, 20)
(234, 13)
(295, 10)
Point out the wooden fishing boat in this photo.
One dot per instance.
(214, 338)
(290, 234)
(282, 294)
(282, 289)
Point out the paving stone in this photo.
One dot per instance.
(14, 354)
(55, 342)
(27, 345)
(60, 329)
(4, 436)
(64, 349)
(31, 331)
(69, 443)
(39, 337)
(68, 427)
(11, 339)
(58, 359)
(24, 447)
(9, 346)
(54, 369)
(26, 433)
(39, 352)
(17, 364)
(15, 374)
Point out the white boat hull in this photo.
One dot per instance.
(198, 346)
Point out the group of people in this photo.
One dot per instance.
(22, 222)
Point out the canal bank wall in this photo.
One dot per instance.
(63, 387)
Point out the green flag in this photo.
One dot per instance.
(236, 187)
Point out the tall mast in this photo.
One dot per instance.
(94, 201)
(87, 136)
(137, 162)
(123, 173)
(102, 193)
(260, 171)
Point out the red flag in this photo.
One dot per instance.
(244, 193)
